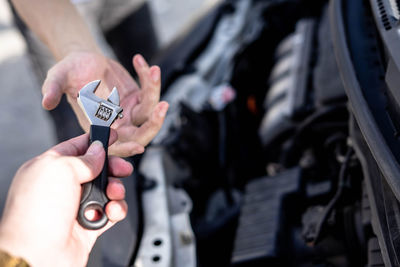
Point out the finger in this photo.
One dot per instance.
(115, 189)
(88, 166)
(145, 133)
(113, 137)
(140, 64)
(126, 148)
(83, 168)
(150, 81)
(53, 87)
(73, 147)
(151, 86)
(142, 69)
(119, 167)
(77, 146)
(116, 210)
(149, 77)
(150, 92)
(155, 73)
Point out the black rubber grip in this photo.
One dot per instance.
(94, 192)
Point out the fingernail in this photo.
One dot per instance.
(140, 150)
(117, 209)
(163, 111)
(95, 147)
(155, 74)
(141, 61)
(121, 187)
(43, 103)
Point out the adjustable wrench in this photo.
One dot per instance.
(101, 114)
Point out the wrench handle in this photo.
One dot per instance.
(94, 192)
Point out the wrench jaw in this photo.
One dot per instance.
(89, 89)
(114, 97)
(97, 110)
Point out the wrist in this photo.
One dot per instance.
(8, 260)
(10, 246)
(75, 47)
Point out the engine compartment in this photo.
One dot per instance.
(261, 161)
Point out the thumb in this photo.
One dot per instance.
(93, 160)
(52, 88)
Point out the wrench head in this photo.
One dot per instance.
(99, 111)
(90, 88)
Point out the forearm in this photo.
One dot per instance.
(58, 24)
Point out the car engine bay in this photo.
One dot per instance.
(267, 157)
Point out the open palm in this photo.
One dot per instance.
(143, 112)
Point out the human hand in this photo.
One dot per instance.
(143, 113)
(39, 221)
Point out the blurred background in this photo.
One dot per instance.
(26, 129)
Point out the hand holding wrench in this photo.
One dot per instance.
(101, 114)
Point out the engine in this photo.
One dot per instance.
(265, 158)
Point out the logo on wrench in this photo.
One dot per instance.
(104, 113)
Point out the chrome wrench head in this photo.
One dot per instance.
(99, 111)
